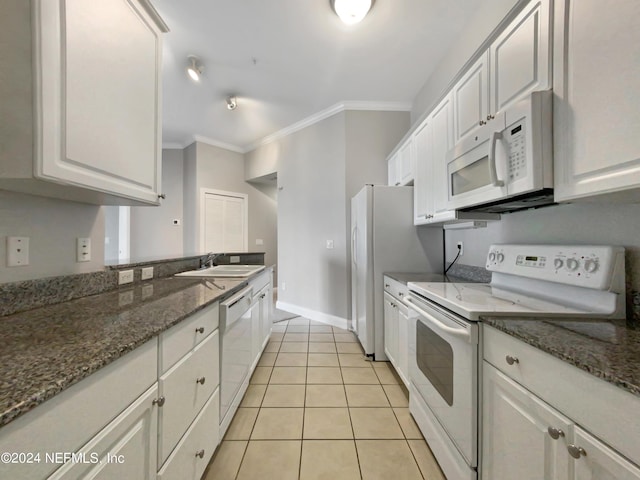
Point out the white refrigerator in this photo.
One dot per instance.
(384, 239)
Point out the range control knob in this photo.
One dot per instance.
(500, 257)
(591, 266)
(492, 256)
(572, 264)
(558, 263)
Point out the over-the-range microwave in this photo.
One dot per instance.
(507, 164)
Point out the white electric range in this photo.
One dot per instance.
(527, 281)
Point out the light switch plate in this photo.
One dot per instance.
(83, 249)
(17, 251)
(329, 244)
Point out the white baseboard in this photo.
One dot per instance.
(314, 315)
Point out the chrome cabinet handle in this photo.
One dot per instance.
(576, 452)
(482, 122)
(400, 294)
(201, 380)
(397, 184)
(511, 360)
(200, 453)
(386, 285)
(555, 433)
(161, 196)
(490, 117)
(158, 401)
(200, 330)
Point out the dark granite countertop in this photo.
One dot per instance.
(608, 349)
(48, 349)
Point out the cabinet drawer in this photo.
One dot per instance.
(395, 288)
(180, 339)
(126, 448)
(70, 419)
(597, 405)
(184, 395)
(185, 462)
(261, 280)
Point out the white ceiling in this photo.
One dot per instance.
(287, 60)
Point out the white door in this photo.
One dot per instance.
(470, 99)
(520, 58)
(599, 462)
(224, 222)
(596, 87)
(516, 441)
(442, 136)
(422, 193)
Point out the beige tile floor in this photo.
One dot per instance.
(317, 409)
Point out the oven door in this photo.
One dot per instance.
(475, 173)
(443, 369)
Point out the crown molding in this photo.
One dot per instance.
(295, 127)
(329, 112)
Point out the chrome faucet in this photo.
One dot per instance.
(209, 260)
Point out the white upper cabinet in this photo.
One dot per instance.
(442, 141)
(521, 57)
(517, 63)
(96, 130)
(471, 98)
(400, 165)
(422, 195)
(596, 85)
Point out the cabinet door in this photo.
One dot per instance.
(99, 67)
(596, 116)
(391, 329)
(422, 194)
(520, 57)
(190, 458)
(470, 99)
(599, 462)
(126, 448)
(392, 171)
(186, 387)
(406, 163)
(515, 438)
(403, 344)
(442, 141)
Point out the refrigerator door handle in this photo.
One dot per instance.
(353, 246)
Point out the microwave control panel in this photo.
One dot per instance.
(515, 138)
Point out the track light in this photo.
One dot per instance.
(232, 103)
(195, 68)
(351, 11)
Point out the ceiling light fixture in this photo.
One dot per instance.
(232, 103)
(351, 11)
(195, 68)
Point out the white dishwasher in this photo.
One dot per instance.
(235, 353)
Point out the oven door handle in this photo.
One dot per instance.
(462, 333)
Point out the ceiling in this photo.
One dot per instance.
(287, 60)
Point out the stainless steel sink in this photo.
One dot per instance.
(237, 271)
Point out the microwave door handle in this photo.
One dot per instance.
(458, 332)
(495, 136)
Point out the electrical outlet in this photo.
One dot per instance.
(259, 241)
(125, 276)
(17, 251)
(460, 246)
(83, 249)
(234, 259)
(147, 273)
(284, 286)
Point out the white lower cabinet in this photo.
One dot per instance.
(126, 448)
(192, 454)
(186, 387)
(396, 328)
(526, 437)
(515, 438)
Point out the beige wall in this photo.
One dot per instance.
(206, 166)
(319, 169)
(52, 227)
